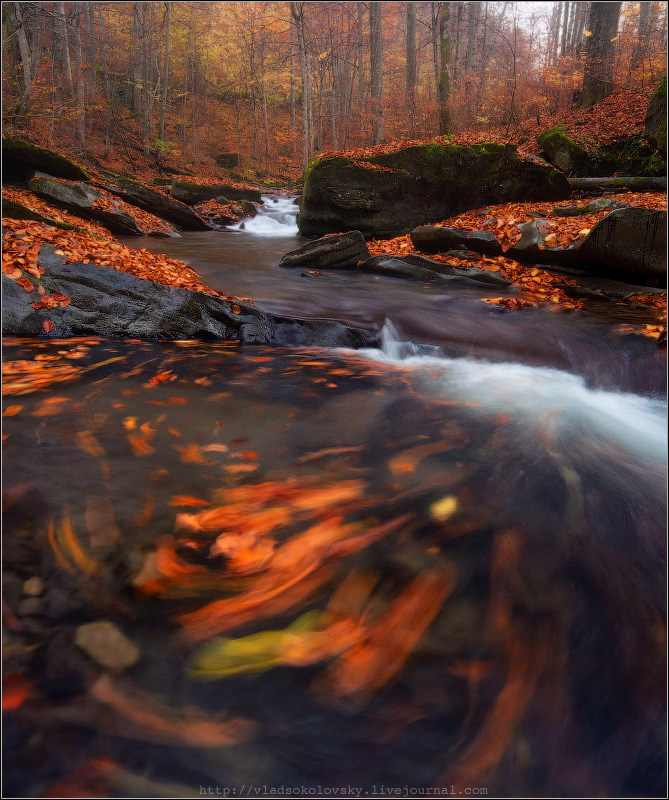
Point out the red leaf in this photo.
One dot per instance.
(47, 325)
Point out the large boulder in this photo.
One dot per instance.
(563, 152)
(107, 302)
(155, 203)
(630, 240)
(391, 193)
(21, 156)
(437, 239)
(193, 193)
(655, 128)
(79, 198)
(331, 252)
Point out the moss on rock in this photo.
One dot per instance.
(422, 183)
(655, 130)
(563, 152)
(15, 149)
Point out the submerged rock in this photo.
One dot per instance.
(391, 193)
(107, 645)
(333, 252)
(433, 239)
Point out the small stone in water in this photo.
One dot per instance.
(33, 587)
(30, 606)
(105, 643)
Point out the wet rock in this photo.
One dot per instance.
(107, 302)
(342, 251)
(39, 158)
(34, 586)
(107, 645)
(632, 240)
(532, 246)
(248, 209)
(193, 193)
(60, 603)
(655, 126)
(432, 239)
(425, 269)
(418, 185)
(222, 200)
(156, 203)
(79, 198)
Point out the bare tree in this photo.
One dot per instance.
(62, 47)
(598, 70)
(15, 19)
(297, 13)
(411, 65)
(444, 78)
(376, 71)
(166, 71)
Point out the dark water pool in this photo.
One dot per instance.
(434, 567)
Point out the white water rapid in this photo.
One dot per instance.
(275, 219)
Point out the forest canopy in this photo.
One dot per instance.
(271, 83)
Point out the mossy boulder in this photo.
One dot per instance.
(630, 156)
(31, 156)
(655, 129)
(391, 193)
(193, 193)
(14, 210)
(563, 152)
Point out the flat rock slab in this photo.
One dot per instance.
(107, 302)
(154, 202)
(434, 239)
(425, 269)
(79, 198)
(193, 193)
(341, 251)
(601, 204)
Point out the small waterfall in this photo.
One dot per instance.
(537, 396)
(276, 218)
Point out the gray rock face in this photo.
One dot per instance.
(342, 251)
(392, 193)
(532, 246)
(193, 193)
(632, 240)
(106, 302)
(79, 198)
(156, 203)
(601, 204)
(26, 153)
(655, 126)
(431, 239)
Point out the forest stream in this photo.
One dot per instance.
(437, 565)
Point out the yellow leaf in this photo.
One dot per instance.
(442, 509)
(587, 33)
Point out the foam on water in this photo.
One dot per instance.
(275, 219)
(529, 393)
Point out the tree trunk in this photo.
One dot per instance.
(445, 126)
(411, 66)
(376, 71)
(565, 25)
(297, 13)
(473, 13)
(579, 27)
(598, 73)
(293, 130)
(79, 85)
(16, 22)
(643, 34)
(435, 8)
(145, 84)
(60, 26)
(361, 70)
(166, 72)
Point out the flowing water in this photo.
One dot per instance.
(435, 567)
